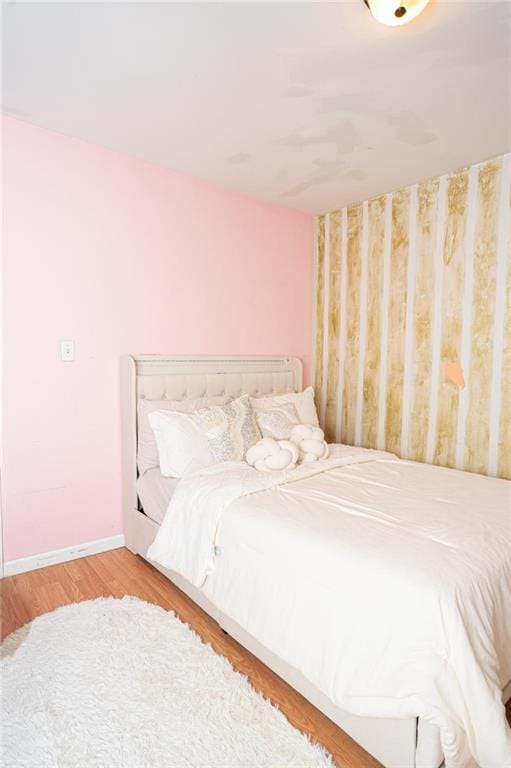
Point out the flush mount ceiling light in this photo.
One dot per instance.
(394, 12)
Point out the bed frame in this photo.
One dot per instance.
(409, 743)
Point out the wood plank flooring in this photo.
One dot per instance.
(118, 573)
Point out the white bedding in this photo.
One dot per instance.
(386, 583)
(155, 492)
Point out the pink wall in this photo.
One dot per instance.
(121, 256)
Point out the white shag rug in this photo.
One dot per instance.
(124, 684)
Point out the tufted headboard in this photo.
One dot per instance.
(159, 377)
(179, 378)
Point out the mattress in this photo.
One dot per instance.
(155, 491)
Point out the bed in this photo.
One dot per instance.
(398, 742)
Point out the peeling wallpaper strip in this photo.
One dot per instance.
(498, 373)
(466, 330)
(413, 321)
(333, 320)
(376, 226)
(420, 377)
(328, 311)
(317, 373)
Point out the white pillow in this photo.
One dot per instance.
(188, 442)
(229, 429)
(311, 443)
(269, 455)
(302, 401)
(182, 444)
(147, 451)
(278, 421)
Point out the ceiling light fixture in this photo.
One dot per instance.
(394, 13)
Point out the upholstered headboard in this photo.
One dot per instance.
(159, 377)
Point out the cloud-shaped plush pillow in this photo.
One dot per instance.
(268, 455)
(310, 442)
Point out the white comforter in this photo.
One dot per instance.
(386, 583)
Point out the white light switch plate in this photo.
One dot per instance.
(67, 351)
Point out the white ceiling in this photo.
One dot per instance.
(311, 105)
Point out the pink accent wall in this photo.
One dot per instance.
(121, 256)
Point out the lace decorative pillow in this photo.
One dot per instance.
(230, 429)
(302, 401)
(277, 422)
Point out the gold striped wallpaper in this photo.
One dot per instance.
(413, 321)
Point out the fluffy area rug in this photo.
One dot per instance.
(124, 684)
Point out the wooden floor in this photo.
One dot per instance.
(118, 573)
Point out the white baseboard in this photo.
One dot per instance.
(24, 564)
